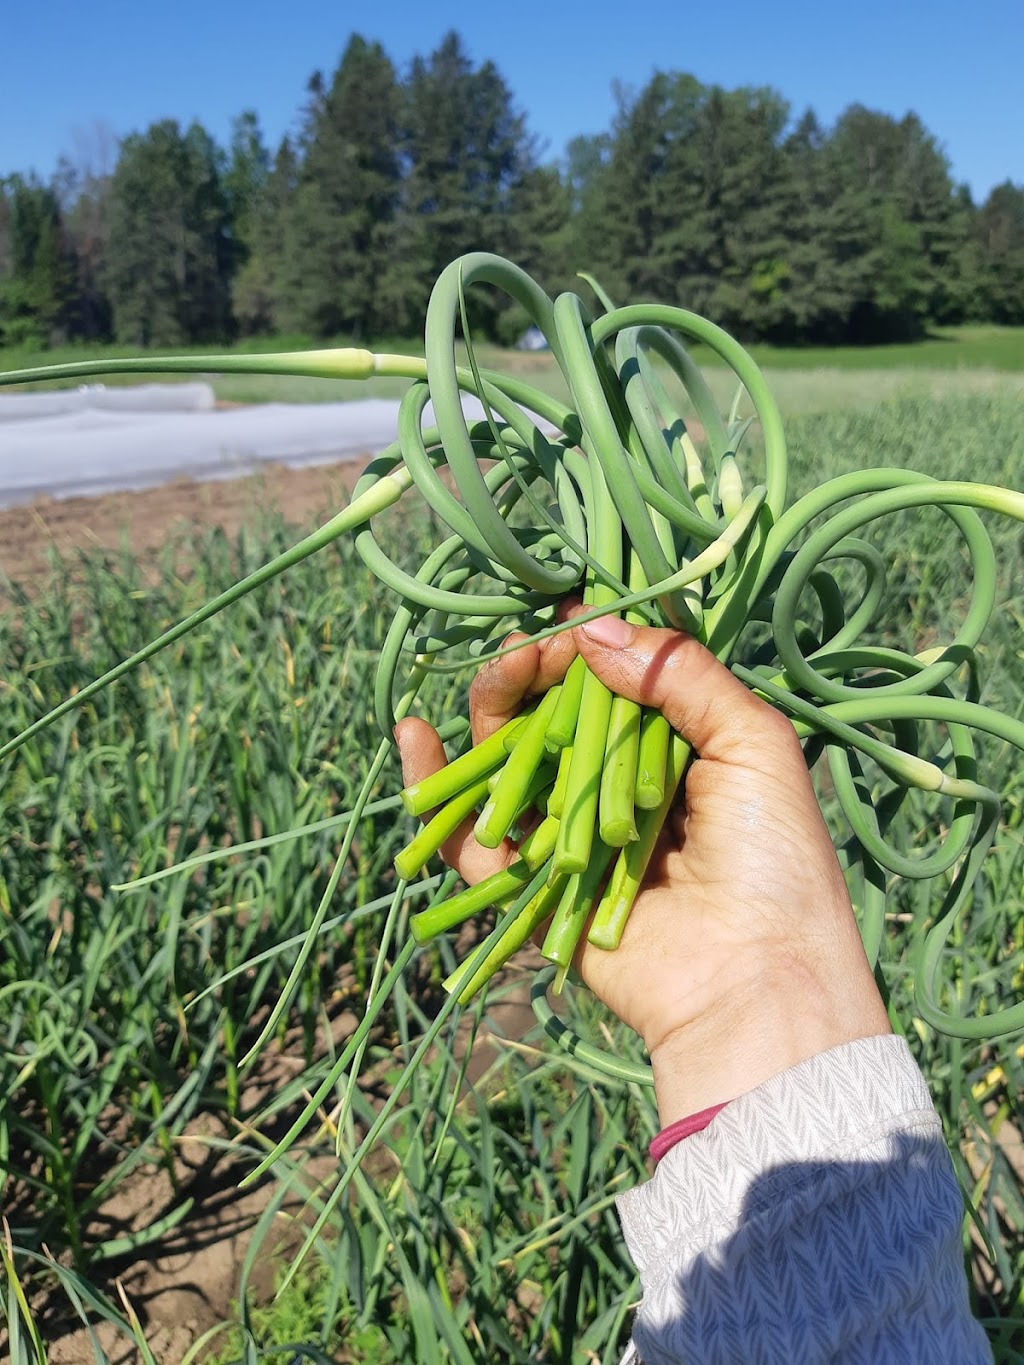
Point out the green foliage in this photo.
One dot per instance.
(465, 147)
(337, 224)
(692, 181)
(37, 272)
(479, 1228)
(719, 199)
(96, 990)
(299, 1312)
(1000, 237)
(260, 297)
(169, 250)
(244, 182)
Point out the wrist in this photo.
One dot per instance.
(789, 1013)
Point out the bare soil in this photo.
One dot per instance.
(182, 1284)
(143, 521)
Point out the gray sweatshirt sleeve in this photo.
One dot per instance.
(816, 1219)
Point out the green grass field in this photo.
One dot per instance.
(947, 348)
(480, 1227)
(962, 359)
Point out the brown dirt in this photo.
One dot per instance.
(144, 520)
(185, 1283)
(182, 1284)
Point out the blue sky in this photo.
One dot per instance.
(70, 69)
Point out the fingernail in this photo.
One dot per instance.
(610, 631)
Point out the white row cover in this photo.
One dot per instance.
(92, 447)
(21, 407)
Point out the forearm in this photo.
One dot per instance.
(816, 1218)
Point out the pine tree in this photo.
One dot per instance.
(687, 204)
(535, 234)
(464, 146)
(261, 293)
(245, 183)
(168, 272)
(895, 182)
(1000, 235)
(584, 171)
(37, 265)
(85, 203)
(347, 193)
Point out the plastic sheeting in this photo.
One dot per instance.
(22, 407)
(99, 440)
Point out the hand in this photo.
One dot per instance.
(741, 956)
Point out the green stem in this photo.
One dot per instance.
(465, 982)
(570, 918)
(534, 853)
(655, 734)
(562, 726)
(616, 804)
(506, 800)
(583, 783)
(616, 812)
(556, 800)
(631, 866)
(429, 839)
(466, 770)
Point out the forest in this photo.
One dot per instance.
(727, 202)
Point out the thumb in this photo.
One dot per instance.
(700, 698)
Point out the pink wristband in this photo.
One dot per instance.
(682, 1128)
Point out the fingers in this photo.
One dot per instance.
(496, 694)
(422, 753)
(420, 749)
(497, 691)
(557, 653)
(500, 686)
(720, 717)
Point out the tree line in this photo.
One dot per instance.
(717, 200)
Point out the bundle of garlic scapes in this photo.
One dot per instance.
(608, 497)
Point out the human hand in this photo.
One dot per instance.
(741, 956)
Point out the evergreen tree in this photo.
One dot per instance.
(85, 203)
(1000, 236)
(245, 182)
(822, 280)
(742, 181)
(640, 245)
(895, 182)
(706, 197)
(37, 265)
(168, 271)
(536, 236)
(584, 171)
(348, 191)
(261, 294)
(464, 146)
(210, 257)
(690, 201)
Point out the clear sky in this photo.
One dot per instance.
(69, 68)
